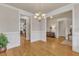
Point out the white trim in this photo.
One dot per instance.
(60, 10)
(27, 38)
(31, 28)
(10, 32)
(19, 26)
(75, 41)
(45, 29)
(19, 10)
(59, 20)
(44, 40)
(73, 28)
(14, 39)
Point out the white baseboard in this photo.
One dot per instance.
(35, 40)
(43, 40)
(75, 49)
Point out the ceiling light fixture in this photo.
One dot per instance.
(51, 17)
(39, 16)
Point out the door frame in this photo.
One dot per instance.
(20, 15)
(57, 30)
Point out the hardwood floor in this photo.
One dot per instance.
(52, 47)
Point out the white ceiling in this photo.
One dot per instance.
(36, 7)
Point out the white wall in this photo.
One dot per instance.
(9, 25)
(43, 29)
(50, 22)
(35, 30)
(38, 30)
(8, 20)
(66, 15)
(13, 38)
(62, 29)
(75, 41)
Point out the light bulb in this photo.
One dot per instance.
(51, 17)
(43, 15)
(35, 16)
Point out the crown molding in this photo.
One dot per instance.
(60, 10)
(19, 10)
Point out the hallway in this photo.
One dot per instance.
(52, 47)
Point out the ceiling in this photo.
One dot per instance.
(38, 7)
(61, 15)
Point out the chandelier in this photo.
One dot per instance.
(39, 16)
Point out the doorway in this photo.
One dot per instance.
(24, 29)
(61, 28)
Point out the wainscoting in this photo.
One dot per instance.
(14, 39)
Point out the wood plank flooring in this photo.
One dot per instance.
(52, 47)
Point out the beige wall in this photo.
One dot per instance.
(9, 25)
(9, 20)
(53, 21)
(38, 30)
